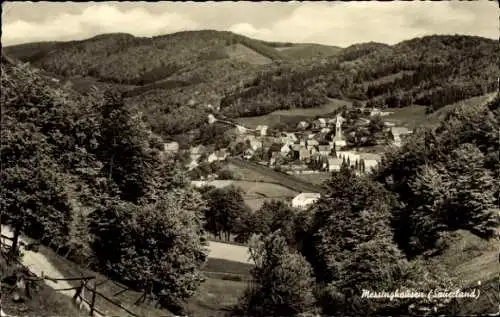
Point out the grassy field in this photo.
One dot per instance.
(292, 115)
(215, 297)
(409, 117)
(415, 115)
(317, 179)
(250, 175)
(257, 192)
(230, 252)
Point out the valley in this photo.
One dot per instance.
(158, 163)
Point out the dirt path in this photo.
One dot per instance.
(38, 263)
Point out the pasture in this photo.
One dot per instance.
(255, 192)
(293, 116)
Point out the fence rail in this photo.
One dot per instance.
(28, 278)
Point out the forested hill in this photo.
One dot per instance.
(174, 78)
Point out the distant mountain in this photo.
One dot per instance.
(174, 78)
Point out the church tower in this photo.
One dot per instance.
(338, 128)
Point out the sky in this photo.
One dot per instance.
(329, 23)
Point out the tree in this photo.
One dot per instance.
(282, 282)
(273, 216)
(122, 147)
(376, 125)
(157, 248)
(224, 207)
(35, 203)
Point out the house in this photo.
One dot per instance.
(285, 149)
(313, 150)
(192, 165)
(172, 147)
(211, 119)
(324, 150)
(262, 129)
(364, 121)
(371, 160)
(378, 112)
(241, 129)
(219, 155)
(248, 154)
(340, 144)
(389, 124)
(197, 151)
(255, 144)
(334, 164)
(274, 157)
(331, 122)
(350, 156)
(304, 154)
(319, 123)
(312, 143)
(302, 125)
(303, 200)
(399, 132)
(289, 137)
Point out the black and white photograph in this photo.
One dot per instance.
(250, 159)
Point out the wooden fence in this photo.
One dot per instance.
(24, 283)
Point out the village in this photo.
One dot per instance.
(315, 147)
(320, 145)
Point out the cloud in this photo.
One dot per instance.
(346, 23)
(93, 20)
(334, 23)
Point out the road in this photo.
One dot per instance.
(38, 263)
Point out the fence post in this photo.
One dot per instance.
(77, 294)
(92, 303)
(82, 294)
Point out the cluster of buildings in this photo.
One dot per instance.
(313, 147)
(317, 146)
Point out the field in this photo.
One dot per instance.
(257, 192)
(409, 117)
(215, 297)
(318, 178)
(229, 252)
(415, 115)
(250, 175)
(292, 115)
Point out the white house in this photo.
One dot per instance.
(371, 160)
(219, 155)
(172, 147)
(312, 143)
(262, 129)
(303, 200)
(302, 125)
(339, 144)
(334, 164)
(378, 112)
(348, 155)
(398, 132)
(285, 149)
(255, 144)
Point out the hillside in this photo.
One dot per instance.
(174, 78)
